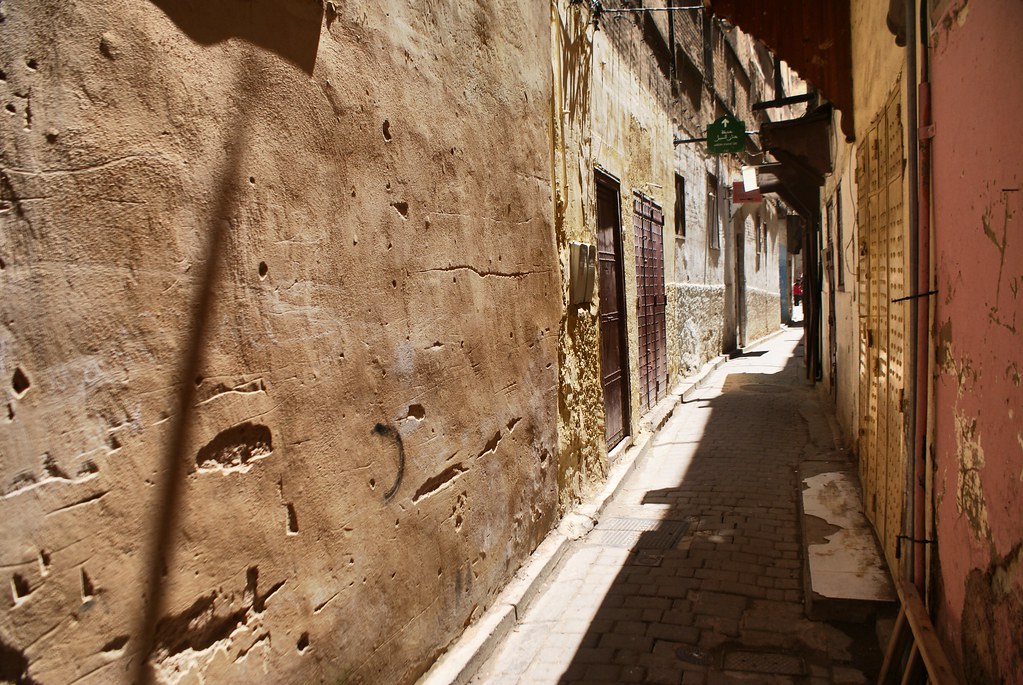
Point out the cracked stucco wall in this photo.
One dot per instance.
(978, 404)
(696, 309)
(373, 448)
(581, 443)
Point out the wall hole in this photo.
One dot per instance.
(32, 64)
(11, 108)
(117, 644)
(235, 448)
(88, 589)
(20, 382)
(372, 483)
(292, 520)
(3, 75)
(252, 180)
(114, 443)
(52, 469)
(20, 587)
(10, 412)
(44, 562)
(387, 130)
(51, 137)
(303, 642)
(394, 284)
(416, 411)
(263, 269)
(198, 381)
(402, 208)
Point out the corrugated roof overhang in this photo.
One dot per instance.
(813, 37)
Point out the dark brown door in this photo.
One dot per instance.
(648, 226)
(613, 357)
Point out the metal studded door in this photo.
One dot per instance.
(881, 182)
(648, 228)
(614, 361)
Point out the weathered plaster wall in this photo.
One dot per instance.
(696, 298)
(696, 311)
(632, 139)
(844, 385)
(581, 442)
(978, 401)
(373, 446)
(759, 228)
(763, 313)
(877, 61)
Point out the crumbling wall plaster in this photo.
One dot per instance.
(763, 313)
(372, 447)
(581, 444)
(695, 309)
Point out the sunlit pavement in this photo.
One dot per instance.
(694, 573)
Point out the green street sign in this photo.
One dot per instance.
(727, 134)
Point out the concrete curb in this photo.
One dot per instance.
(467, 654)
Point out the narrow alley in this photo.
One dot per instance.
(377, 342)
(694, 571)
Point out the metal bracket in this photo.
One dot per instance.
(909, 538)
(915, 296)
(680, 141)
(926, 132)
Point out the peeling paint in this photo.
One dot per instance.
(970, 498)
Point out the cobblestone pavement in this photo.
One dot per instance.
(694, 572)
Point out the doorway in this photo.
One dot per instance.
(651, 301)
(614, 361)
(740, 287)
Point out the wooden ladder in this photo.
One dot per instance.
(914, 654)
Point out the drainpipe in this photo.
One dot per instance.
(918, 116)
(923, 308)
(913, 396)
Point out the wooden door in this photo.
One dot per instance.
(648, 228)
(613, 347)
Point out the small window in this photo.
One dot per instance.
(680, 206)
(713, 220)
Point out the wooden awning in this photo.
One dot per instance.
(813, 37)
(803, 149)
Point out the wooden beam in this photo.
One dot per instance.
(939, 669)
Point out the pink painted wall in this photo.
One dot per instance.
(977, 78)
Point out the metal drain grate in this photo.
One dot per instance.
(639, 534)
(759, 662)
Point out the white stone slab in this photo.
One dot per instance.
(849, 565)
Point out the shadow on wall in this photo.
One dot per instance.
(576, 59)
(288, 28)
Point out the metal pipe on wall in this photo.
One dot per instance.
(923, 305)
(912, 391)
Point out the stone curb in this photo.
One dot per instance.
(479, 641)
